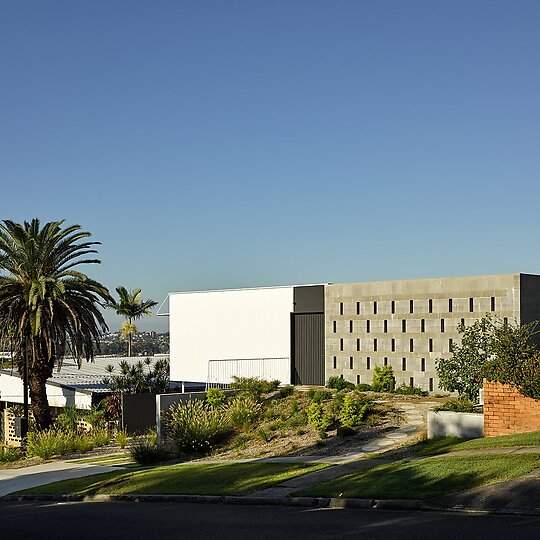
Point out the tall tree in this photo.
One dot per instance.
(132, 307)
(48, 308)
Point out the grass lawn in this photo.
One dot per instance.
(196, 479)
(444, 445)
(430, 477)
(105, 460)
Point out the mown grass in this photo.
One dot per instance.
(426, 478)
(444, 445)
(194, 479)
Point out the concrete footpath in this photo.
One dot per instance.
(12, 480)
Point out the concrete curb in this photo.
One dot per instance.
(305, 502)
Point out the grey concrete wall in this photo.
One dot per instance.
(349, 307)
(454, 424)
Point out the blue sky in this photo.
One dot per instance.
(212, 144)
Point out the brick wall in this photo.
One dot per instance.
(506, 411)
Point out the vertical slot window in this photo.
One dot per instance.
(368, 327)
(423, 325)
(450, 344)
(403, 325)
(423, 364)
(351, 362)
(340, 344)
(375, 308)
(450, 306)
(358, 308)
(403, 364)
(442, 326)
(505, 321)
(462, 322)
(357, 344)
(393, 345)
(411, 306)
(430, 384)
(430, 305)
(492, 303)
(393, 306)
(341, 308)
(411, 382)
(368, 363)
(430, 345)
(375, 344)
(411, 345)
(386, 360)
(385, 326)
(351, 327)
(358, 379)
(471, 304)
(335, 362)
(335, 326)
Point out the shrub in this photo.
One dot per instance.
(354, 410)
(253, 386)
(363, 387)
(285, 391)
(410, 390)
(337, 402)
(100, 436)
(263, 435)
(215, 397)
(318, 418)
(338, 383)
(121, 438)
(242, 411)
(462, 404)
(321, 395)
(383, 379)
(48, 443)
(194, 426)
(310, 393)
(294, 406)
(345, 431)
(8, 454)
(67, 420)
(146, 451)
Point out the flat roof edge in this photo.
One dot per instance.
(250, 288)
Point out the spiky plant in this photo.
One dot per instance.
(46, 306)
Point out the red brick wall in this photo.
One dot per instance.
(506, 411)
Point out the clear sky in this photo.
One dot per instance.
(214, 144)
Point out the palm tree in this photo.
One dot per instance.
(46, 306)
(132, 307)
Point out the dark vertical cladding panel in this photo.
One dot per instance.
(529, 300)
(308, 351)
(309, 299)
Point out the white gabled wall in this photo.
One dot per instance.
(230, 324)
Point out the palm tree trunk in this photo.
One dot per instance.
(129, 344)
(38, 396)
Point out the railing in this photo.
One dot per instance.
(220, 372)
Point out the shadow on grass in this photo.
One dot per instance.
(426, 478)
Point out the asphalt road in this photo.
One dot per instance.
(134, 521)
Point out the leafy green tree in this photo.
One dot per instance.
(383, 379)
(488, 349)
(463, 372)
(132, 307)
(46, 306)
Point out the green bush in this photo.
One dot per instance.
(318, 418)
(354, 410)
(337, 402)
(286, 391)
(345, 431)
(67, 420)
(294, 406)
(215, 397)
(121, 437)
(363, 387)
(100, 436)
(243, 411)
(383, 379)
(410, 390)
(48, 443)
(321, 395)
(8, 454)
(338, 383)
(146, 451)
(194, 426)
(253, 386)
(461, 404)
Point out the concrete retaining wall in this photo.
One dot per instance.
(455, 424)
